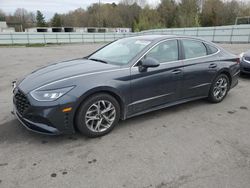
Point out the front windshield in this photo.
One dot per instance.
(121, 51)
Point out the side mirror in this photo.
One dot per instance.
(147, 63)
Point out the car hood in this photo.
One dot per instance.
(60, 71)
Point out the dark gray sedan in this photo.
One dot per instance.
(245, 62)
(125, 78)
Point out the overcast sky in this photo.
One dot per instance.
(49, 7)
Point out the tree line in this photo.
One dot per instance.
(138, 15)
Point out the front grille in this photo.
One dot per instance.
(22, 103)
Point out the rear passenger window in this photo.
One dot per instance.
(212, 49)
(194, 49)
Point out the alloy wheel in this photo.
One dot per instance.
(220, 88)
(100, 116)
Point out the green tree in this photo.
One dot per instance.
(148, 19)
(56, 20)
(230, 12)
(40, 20)
(168, 11)
(212, 13)
(189, 13)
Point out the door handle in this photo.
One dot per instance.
(177, 71)
(212, 66)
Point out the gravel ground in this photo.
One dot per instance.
(192, 145)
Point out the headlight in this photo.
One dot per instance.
(50, 95)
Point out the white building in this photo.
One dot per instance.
(78, 29)
(4, 27)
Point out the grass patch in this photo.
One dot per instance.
(47, 44)
(35, 45)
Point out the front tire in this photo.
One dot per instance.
(98, 115)
(219, 89)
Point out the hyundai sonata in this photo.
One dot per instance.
(125, 78)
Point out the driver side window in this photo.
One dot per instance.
(165, 51)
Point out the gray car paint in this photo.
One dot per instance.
(137, 92)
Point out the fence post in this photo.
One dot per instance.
(213, 34)
(56, 39)
(249, 37)
(11, 36)
(69, 38)
(44, 39)
(82, 38)
(232, 30)
(28, 39)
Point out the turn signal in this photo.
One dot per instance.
(67, 109)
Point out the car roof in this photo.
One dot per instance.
(153, 37)
(157, 38)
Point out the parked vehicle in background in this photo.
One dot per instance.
(245, 62)
(128, 77)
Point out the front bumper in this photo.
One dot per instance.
(36, 127)
(46, 117)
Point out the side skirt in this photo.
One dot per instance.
(165, 106)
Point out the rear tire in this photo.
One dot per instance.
(219, 89)
(98, 115)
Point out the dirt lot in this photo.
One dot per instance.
(192, 145)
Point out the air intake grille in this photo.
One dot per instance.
(22, 103)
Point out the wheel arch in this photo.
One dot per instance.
(107, 90)
(227, 73)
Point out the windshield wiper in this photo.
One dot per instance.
(99, 60)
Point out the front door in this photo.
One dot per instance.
(159, 85)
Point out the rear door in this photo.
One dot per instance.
(199, 68)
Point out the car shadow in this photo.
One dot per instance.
(158, 114)
(13, 132)
(245, 76)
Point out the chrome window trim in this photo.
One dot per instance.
(199, 40)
